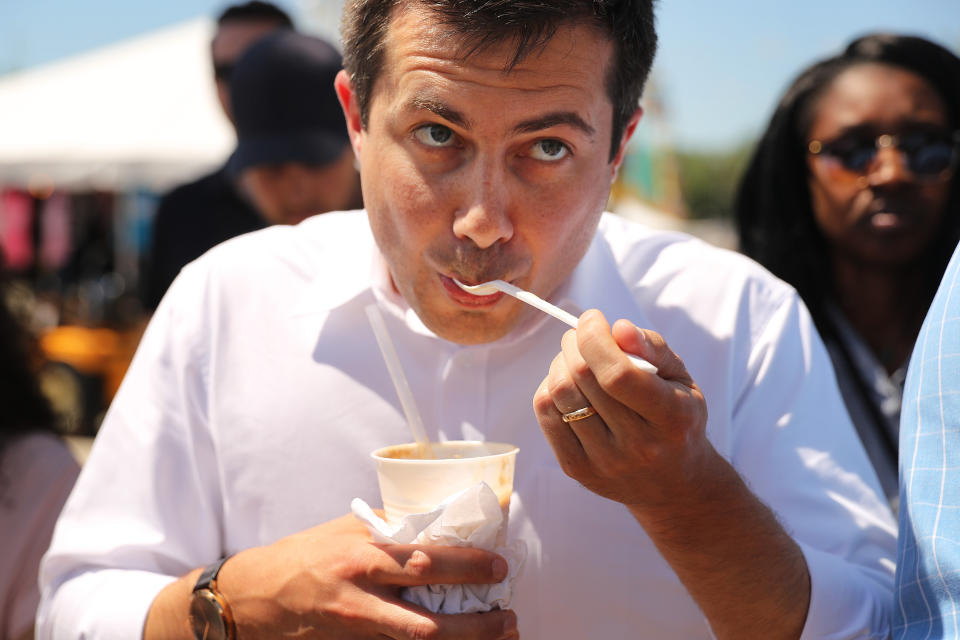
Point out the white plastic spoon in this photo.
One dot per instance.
(486, 288)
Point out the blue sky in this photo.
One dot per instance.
(722, 64)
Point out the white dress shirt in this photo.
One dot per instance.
(872, 397)
(258, 392)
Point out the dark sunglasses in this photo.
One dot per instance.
(222, 71)
(927, 154)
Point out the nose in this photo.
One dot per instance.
(889, 166)
(484, 218)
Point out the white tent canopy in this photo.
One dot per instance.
(142, 112)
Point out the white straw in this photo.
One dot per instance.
(399, 380)
(487, 288)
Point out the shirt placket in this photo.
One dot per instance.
(462, 396)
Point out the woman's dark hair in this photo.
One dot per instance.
(774, 214)
(23, 407)
(629, 24)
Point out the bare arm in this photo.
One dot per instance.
(647, 448)
(747, 575)
(332, 581)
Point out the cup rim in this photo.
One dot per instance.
(511, 449)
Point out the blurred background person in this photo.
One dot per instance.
(238, 27)
(37, 472)
(852, 197)
(197, 215)
(293, 157)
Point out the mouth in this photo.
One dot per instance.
(466, 299)
(890, 219)
(884, 220)
(892, 215)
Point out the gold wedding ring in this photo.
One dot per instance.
(579, 414)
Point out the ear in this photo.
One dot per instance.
(627, 134)
(351, 110)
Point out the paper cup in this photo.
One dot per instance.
(410, 483)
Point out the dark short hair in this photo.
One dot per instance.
(629, 24)
(255, 11)
(774, 211)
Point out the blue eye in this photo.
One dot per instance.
(434, 135)
(549, 150)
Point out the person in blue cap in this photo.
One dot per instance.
(293, 157)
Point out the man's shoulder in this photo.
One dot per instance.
(322, 241)
(277, 263)
(642, 251)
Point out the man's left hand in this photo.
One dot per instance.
(648, 434)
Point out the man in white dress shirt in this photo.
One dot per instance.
(725, 497)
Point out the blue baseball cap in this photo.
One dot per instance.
(284, 105)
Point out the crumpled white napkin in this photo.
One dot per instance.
(469, 518)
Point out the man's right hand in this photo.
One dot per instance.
(333, 581)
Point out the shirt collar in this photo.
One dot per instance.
(357, 272)
(597, 283)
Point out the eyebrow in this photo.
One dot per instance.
(443, 110)
(527, 126)
(553, 119)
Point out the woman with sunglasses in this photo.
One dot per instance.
(853, 197)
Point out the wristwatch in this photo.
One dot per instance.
(210, 616)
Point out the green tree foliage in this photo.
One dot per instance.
(709, 180)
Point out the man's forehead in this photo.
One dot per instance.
(414, 20)
(416, 34)
(435, 32)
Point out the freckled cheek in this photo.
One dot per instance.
(559, 236)
(406, 206)
(562, 208)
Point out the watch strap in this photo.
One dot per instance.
(209, 574)
(208, 604)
